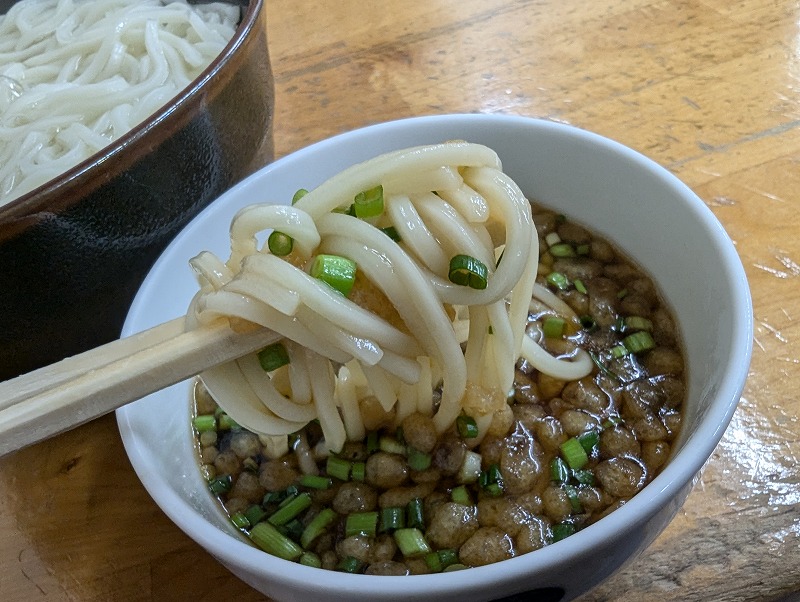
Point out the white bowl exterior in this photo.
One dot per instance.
(639, 205)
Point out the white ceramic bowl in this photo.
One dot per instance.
(641, 206)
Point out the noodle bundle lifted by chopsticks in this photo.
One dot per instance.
(431, 256)
(75, 75)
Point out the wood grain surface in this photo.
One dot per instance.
(710, 89)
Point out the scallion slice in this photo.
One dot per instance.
(338, 468)
(349, 564)
(583, 476)
(638, 323)
(358, 471)
(574, 454)
(391, 232)
(460, 495)
(205, 422)
(558, 280)
(317, 526)
(466, 270)
(255, 514)
(411, 542)
(589, 440)
(572, 495)
(311, 559)
(562, 530)
(280, 244)
(562, 249)
(559, 471)
(393, 518)
(290, 509)
(273, 357)
(639, 342)
(272, 541)
(240, 521)
(315, 481)
(369, 203)
(467, 427)
(415, 516)
(361, 523)
(580, 286)
(221, 484)
(299, 195)
(418, 460)
(553, 327)
(337, 271)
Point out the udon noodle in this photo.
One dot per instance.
(413, 339)
(75, 75)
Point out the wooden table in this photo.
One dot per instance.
(708, 88)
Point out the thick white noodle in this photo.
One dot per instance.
(75, 75)
(443, 200)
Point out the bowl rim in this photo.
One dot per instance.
(43, 196)
(657, 494)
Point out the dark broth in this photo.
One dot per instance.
(564, 455)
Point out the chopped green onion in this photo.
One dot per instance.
(588, 323)
(393, 518)
(273, 357)
(349, 564)
(280, 244)
(589, 440)
(622, 294)
(317, 526)
(558, 280)
(290, 509)
(494, 489)
(392, 233)
(466, 270)
(574, 454)
(240, 521)
(638, 323)
(562, 249)
(391, 445)
(559, 471)
(272, 541)
(580, 286)
(639, 341)
(562, 531)
(359, 471)
(250, 465)
(255, 514)
(467, 427)
(460, 495)
(572, 494)
(618, 351)
(314, 481)
(337, 271)
(293, 529)
(552, 239)
(470, 470)
(418, 460)
(299, 195)
(361, 523)
(338, 468)
(369, 203)
(411, 542)
(612, 421)
(553, 327)
(226, 423)
(455, 567)
(602, 366)
(583, 249)
(311, 559)
(583, 476)
(373, 442)
(221, 484)
(441, 559)
(205, 422)
(415, 514)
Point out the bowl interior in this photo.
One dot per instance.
(608, 187)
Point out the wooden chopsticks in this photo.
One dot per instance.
(56, 398)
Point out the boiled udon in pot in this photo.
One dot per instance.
(76, 75)
(461, 378)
